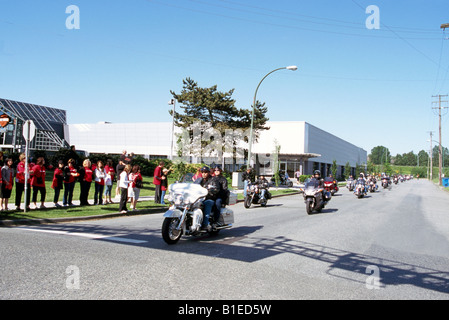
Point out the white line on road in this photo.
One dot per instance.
(115, 237)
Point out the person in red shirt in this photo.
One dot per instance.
(85, 179)
(38, 182)
(20, 182)
(135, 178)
(157, 178)
(57, 183)
(70, 176)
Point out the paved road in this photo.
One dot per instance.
(393, 244)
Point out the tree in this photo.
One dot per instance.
(334, 169)
(208, 114)
(423, 157)
(347, 172)
(380, 155)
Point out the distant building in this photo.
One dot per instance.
(304, 147)
(50, 123)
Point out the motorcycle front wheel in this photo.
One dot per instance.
(309, 207)
(247, 202)
(169, 232)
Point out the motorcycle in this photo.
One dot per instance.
(360, 190)
(330, 185)
(350, 184)
(283, 181)
(372, 186)
(313, 196)
(385, 183)
(185, 214)
(254, 196)
(395, 180)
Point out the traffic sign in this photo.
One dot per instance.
(29, 130)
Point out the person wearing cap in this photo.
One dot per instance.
(223, 194)
(213, 187)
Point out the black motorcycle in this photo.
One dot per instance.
(254, 195)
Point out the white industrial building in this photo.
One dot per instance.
(303, 147)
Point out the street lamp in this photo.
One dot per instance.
(292, 68)
(172, 102)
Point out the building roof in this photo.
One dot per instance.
(41, 116)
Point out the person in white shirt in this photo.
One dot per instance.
(123, 185)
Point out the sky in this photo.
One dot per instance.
(368, 77)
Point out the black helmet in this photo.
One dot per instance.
(217, 167)
(318, 172)
(205, 169)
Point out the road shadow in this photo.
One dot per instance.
(241, 244)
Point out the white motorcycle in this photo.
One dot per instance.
(185, 214)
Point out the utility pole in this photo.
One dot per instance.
(431, 156)
(440, 153)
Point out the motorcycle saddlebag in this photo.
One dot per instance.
(228, 216)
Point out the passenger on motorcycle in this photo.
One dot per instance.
(223, 193)
(212, 185)
(247, 177)
(262, 184)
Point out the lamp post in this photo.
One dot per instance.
(172, 102)
(292, 68)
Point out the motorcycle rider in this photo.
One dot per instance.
(262, 184)
(317, 177)
(223, 193)
(212, 185)
(362, 181)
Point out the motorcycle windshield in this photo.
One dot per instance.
(189, 191)
(312, 184)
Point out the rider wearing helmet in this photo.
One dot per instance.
(317, 177)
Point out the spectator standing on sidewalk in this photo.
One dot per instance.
(70, 176)
(7, 179)
(157, 178)
(20, 182)
(135, 185)
(85, 179)
(108, 181)
(119, 169)
(164, 184)
(57, 183)
(100, 175)
(124, 184)
(38, 182)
